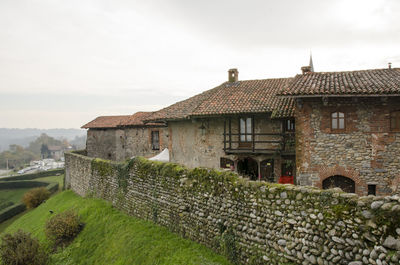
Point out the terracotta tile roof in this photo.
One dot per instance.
(364, 82)
(104, 122)
(249, 96)
(136, 119)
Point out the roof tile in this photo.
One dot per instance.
(104, 122)
(362, 82)
(249, 96)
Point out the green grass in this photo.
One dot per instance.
(12, 195)
(58, 179)
(112, 237)
(15, 195)
(8, 222)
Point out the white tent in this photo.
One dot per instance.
(163, 156)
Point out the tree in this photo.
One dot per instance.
(36, 146)
(44, 151)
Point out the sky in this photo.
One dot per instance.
(63, 63)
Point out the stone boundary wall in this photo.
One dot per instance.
(249, 222)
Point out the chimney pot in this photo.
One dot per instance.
(233, 75)
(306, 69)
(390, 65)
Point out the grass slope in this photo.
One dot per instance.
(112, 237)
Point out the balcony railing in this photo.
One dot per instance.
(257, 143)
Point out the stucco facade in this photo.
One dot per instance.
(200, 143)
(367, 150)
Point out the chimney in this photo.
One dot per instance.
(390, 65)
(306, 69)
(233, 75)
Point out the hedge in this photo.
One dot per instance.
(5, 205)
(21, 184)
(11, 211)
(41, 174)
(15, 209)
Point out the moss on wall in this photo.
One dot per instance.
(248, 221)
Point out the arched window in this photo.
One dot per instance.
(395, 120)
(338, 121)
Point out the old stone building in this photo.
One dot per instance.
(121, 137)
(348, 129)
(239, 125)
(337, 129)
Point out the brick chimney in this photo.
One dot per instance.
(390, 65)
(306, 69)
(233, 75)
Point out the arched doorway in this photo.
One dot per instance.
(248, 167)
(346, 184)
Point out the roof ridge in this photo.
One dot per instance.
(350, 71)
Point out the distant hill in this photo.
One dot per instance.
(24, 136)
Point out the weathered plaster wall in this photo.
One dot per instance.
(193, 146)
(367, 151)
(250, 222)
(120, 144)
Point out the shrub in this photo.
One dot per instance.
(63, 227)
(20, 249)
(34, 197)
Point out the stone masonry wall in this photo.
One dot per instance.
(102, 143)
(367, 151)
(121, 144)
(249, 222)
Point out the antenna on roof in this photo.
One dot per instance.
(311, 63)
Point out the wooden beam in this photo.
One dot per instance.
(230, 133)
(252, 132)
(224, 135)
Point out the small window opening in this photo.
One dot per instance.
(337, 121)
(289, 125)
(372, 189)
(395, 120)
(155, 140)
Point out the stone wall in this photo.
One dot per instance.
(367, 151)
(120, 144)
(102, 143)
(249, 222)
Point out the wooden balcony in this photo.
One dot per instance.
(257, 143)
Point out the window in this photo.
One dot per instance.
(371, 189)
(395, 120)
(338, 121)
(155, 140)
(289, 125)
(245, 129)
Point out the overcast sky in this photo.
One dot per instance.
(63, 63)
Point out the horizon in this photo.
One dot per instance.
(116, 58)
